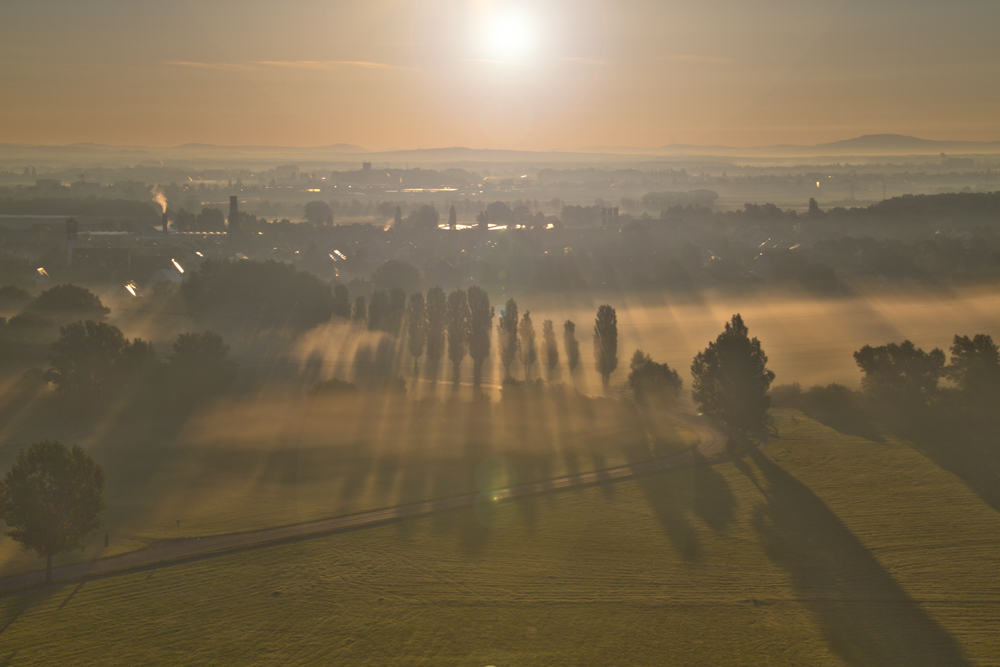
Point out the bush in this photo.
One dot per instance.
(650, 381)
(786, 395)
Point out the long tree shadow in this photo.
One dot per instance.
(670, 495)
(965, 448)
(865, 616)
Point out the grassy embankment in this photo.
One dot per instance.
(824, 550)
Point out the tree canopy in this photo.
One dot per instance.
(606, 343)
(731, 380)
(69, 300)
(52, 499)
(901, 374)
(507, 336)
(92, 360)
(652, 381)
(571, 345)
(436, 321)
(458, 330)
(319, 213)
(480, 328)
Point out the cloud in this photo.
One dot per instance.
(262, 65)
(709, 60)
(584, 61)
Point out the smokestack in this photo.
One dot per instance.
(165, 222)
(234, 215)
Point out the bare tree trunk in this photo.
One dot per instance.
(477, 374)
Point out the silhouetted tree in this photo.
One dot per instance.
(975, 370)
(452, 219)
(360, 314)
(651, 381)
(378, 310)
(436, 327)
(397, 218)
(731, 380)
(529, 351)
(200, 366)
(69, 301)
(319, 213)
(458, 331)
(396, 312)
(416, 327)
(903, 375)
(426, 217)
(550, 350)
(480, 329)
(341, 302)
(93, 360)
(396, 273)
(507, 336)
(606, 343)
(52, 499)
(571, 345)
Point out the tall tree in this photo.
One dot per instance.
(94, 359)
(378, 310)
(397, 218)
(571, 345)
(507, 336)
(731, 380)
(458, 331)
(200, 365)
(550, 351)
(396, 311)
(360, 314)
(416, 327)
(606, 343)
(529, 351)
(480, 329)
(341, 303)
(436, 327)
(975, 369)
(52, 499)
(452, 219)
(901, 374)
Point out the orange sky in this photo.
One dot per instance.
(546, 74)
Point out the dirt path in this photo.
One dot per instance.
(711, 444)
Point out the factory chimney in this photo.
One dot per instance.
(165, 223)
(234, 216)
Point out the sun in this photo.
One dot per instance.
(510, 33)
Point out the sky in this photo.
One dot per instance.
(530, 75)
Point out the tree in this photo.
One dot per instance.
(360, 314)
(458, 330)
(529, 351)
(436, 327)
(396, 312)
(550, 351)
(480, 328)
(396, 273)
(649, 380)
(452, 219)
(341, 302)
(397, 218)
(52, 499)
(571, 345)
(319, 213)
(378, 310)
(731, 380)
(975, 370)
(70, 301)
(900, 374)
(200, 365)
(425, 217)
(606, 343)
(507, 336)
(94, 360)
(416, 327)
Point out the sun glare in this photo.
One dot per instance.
(510, 34)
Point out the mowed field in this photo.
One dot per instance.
(279, 459)
(824, 549)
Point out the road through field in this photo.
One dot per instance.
(711, 444)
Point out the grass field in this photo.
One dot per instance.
(276, 460)
(823, 550)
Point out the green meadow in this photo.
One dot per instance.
(822, 549)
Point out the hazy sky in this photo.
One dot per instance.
(540, 74)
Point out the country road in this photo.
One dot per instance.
(711, 444)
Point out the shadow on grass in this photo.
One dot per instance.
(865, 616)
(967, 449)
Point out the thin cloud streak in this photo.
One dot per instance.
(261, 65)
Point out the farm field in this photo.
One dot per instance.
(824, 549)
(277, 460)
